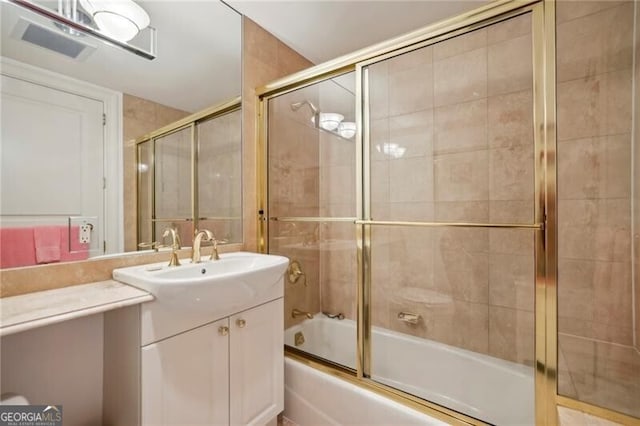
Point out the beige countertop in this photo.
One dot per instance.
(27, 311)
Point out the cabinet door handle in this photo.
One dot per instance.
(241, 323)
(223, 331)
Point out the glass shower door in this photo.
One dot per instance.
(450, 214)
(312, 207)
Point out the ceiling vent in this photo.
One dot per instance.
(51, 39)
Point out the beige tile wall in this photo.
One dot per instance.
(461, 111)
(595, 56)
(140, 116)
(312, 173)
(294, 191)
(338, 262)
(265, 58)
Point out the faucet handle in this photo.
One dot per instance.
(214, 250)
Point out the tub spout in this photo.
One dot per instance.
(298, 313)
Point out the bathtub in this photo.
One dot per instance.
(484, 387)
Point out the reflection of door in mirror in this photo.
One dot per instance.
(48, 132)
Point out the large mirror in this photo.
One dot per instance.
(75, 112)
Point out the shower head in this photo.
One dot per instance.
(297, 105)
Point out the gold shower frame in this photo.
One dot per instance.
(545, 214)
(188, 122)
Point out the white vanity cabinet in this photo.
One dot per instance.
(227, 372)
(185, 378)
(256, 364)
(208, 350)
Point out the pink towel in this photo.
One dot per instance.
(47, 242)
(16, 247)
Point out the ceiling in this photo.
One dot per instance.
(323, 30)
(199, 42)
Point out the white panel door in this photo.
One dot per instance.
(51, 155)
(185, 379)
(257, 364)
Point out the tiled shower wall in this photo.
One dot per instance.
(264, 59)
(598, 361)
(452, 141)
(338, 261)
(312, 174)
(294, 191)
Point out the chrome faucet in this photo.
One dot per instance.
(175, 245)
(298, 313)
(205, 235)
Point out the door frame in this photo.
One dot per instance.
(113, 147)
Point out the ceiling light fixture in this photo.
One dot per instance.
(120, 19)
(114, 22)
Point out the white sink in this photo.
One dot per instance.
(210, 285)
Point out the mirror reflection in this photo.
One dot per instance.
(79, 122)
(189, 177)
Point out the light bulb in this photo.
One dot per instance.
(119, 19)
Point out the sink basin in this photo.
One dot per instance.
(210, 285)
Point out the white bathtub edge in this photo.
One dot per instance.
(301, 412)
(317, 394)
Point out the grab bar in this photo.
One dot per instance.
(409, 317)
(338, 316)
